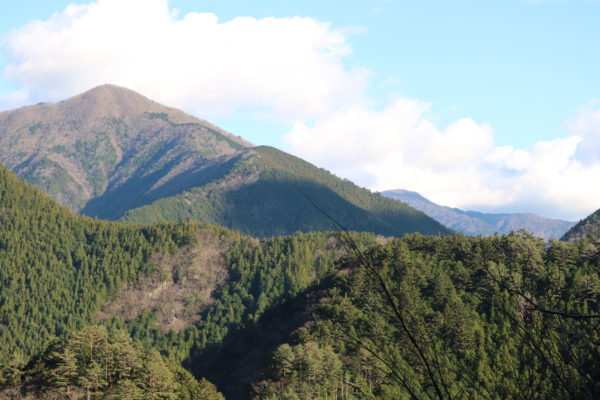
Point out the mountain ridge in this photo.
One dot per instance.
(478, 223)
(293, 190)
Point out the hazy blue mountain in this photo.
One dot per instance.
(477, 223)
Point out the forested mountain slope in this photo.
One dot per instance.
(110, 151)
(449, 318)
(477, 223)
(588, 227)
(316, 315)
(56, 270)
(269, 192)
(178, 289)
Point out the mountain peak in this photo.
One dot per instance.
(79, 148)
(113, 101)
(113, 93)
(110, 89)
(116, 102)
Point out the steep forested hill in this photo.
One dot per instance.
(181, 289)
(477, 223)
(56, 270)
(588, 227)
(270, 192)
(110, 150)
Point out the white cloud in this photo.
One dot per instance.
(457, 165)
(288, 68)
(587, 126)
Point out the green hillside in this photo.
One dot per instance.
(293, 317)
(268, 192)
(587, 228)
(448, 318)
(181, 289)
(56, 269)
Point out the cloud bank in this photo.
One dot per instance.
(296, 71)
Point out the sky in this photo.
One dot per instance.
(486, 105)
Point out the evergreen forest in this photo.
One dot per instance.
(326, 315)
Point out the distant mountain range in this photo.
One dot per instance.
(115, 154)
(588, 227)
(477, 223)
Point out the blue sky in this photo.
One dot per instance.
(478, 104)
(524, 67)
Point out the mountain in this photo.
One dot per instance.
(588, 227)
(476, 223)
(112, 153)
(109, 149)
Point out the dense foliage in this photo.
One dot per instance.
(457, 317)
(99, 364)
(418, 317)
(56, 269)
(263, 275)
